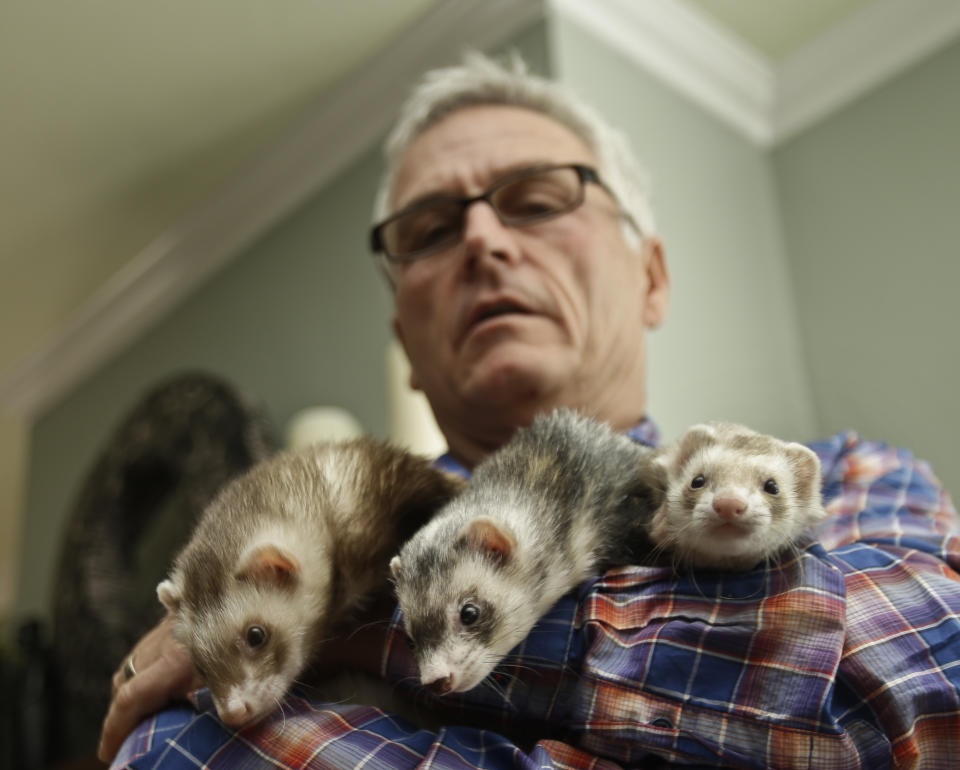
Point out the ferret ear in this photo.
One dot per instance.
(269, 565)
(437, 488)
(492, 539)
(395, 567)
(169, 594)
(696, 437)
(649, 487)
(806, 469)
(420, 492)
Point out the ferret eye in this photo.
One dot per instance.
(256, 636)
(469, 614)
(698, 481)
(771, 487)
(411, 645)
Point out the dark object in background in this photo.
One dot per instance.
(36, 688)
(28, 727)
(136, 508)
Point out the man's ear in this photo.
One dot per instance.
(657, 301)
(398, 333)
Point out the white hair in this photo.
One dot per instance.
(480, 80)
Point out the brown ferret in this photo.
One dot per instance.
(735, 497)
(285, 555)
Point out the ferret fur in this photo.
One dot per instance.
(564, 499)
(293, 548)
(721, 511)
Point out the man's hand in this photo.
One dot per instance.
(164, 673)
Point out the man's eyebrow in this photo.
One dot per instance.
(495, 176)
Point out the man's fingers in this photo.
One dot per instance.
(132, 701)
(119, 678)
(167, 678)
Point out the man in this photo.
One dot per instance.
(526, 273)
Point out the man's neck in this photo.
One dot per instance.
(643, 431)
(470, 447)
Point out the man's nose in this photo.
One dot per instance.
(485, 235)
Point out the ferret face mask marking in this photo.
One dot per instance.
(736, 497)
(458, 641)
(457, 658)
(734, 504)
(237, 641)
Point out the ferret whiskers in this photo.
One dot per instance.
(283, 714)
(371, 624)
(517, 666)
(657, 552)
(490, 682)
(563, 670)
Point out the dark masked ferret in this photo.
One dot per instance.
(735, 497)
(564, 499)
(285, 554)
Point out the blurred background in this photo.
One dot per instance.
(186, 188)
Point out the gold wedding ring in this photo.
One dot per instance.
(129, 672)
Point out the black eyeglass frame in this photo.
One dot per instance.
(585, 174)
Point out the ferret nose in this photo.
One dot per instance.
(236, 712)
(441, 685)
(729, 507)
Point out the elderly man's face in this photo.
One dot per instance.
(548, 313)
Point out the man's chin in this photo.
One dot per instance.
(512, 380)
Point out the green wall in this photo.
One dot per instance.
(300, 318)
(871, 207)
(730, 349)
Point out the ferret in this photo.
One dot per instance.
(285, 554)
(735, 497)
(564, 499)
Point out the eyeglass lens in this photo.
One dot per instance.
(519, 200)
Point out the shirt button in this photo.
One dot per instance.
(661, 722)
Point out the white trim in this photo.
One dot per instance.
(764, 101)
(869, 47)
(666, 37)
(346, 124)
(689, 52)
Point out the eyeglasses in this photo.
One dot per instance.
(522, 198)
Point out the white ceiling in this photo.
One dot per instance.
(120, 118)
(777, 28)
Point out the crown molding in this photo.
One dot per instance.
(688, 52)
(766, 103)
(869, 47)
(348, 122)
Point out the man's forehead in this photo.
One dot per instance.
(469, 149)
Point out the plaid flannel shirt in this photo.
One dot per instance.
(847, 656)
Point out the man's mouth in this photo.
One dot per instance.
(486, 311)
